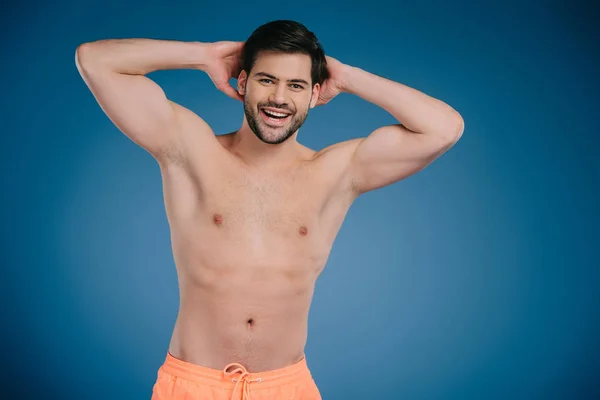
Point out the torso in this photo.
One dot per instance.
(248, 248)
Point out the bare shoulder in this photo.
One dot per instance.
(334, 163)
(340, 149)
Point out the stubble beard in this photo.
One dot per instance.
(258, 127)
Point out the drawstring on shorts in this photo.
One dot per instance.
(242, 378)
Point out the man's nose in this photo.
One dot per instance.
(278, 95)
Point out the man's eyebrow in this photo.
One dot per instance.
(275, 78)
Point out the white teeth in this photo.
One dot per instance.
(275, 114)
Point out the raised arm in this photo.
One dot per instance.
(114, 70)
(427, 128)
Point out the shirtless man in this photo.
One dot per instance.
(253, 214)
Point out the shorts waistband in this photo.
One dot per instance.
(234, 373)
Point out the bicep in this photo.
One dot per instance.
(392, 153)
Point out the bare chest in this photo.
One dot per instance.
(284, 215)
(233, 218)
(286, 205)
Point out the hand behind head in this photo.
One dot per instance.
(225, 63)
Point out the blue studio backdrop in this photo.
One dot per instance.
(477, 278)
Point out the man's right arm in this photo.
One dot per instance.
(114, 70)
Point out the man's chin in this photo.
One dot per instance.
(273, 140)
(272, 135)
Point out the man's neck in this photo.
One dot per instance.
(258, 154)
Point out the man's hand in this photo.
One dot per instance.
(225, 63)
(333, 85)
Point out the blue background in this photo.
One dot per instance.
(478, 277)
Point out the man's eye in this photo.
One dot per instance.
(295, 86)
(265, 80)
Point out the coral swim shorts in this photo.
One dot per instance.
(181, 380)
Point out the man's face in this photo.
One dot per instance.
(277, 95)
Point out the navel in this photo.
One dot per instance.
(217, 219)
(303, 230)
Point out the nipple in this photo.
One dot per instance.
(303, 230)
(217, 219)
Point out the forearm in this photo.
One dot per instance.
(417, 111)
(142, 56)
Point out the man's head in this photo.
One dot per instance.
(283, 67)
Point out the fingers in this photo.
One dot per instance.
(230, 91)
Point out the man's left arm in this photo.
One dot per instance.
(428, 128)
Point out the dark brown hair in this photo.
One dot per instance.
(287, 37)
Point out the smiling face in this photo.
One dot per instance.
(277, 95)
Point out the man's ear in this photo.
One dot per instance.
(241, 83)
(315, 95)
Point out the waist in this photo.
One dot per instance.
(174, 367)
(263, 344)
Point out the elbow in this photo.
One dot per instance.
(459, 129)
(90, 58)
(448, 137)
(83, 48)
(82, 55)
(87, 47)
(87, 53)
(448, 127)
(453, 134)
